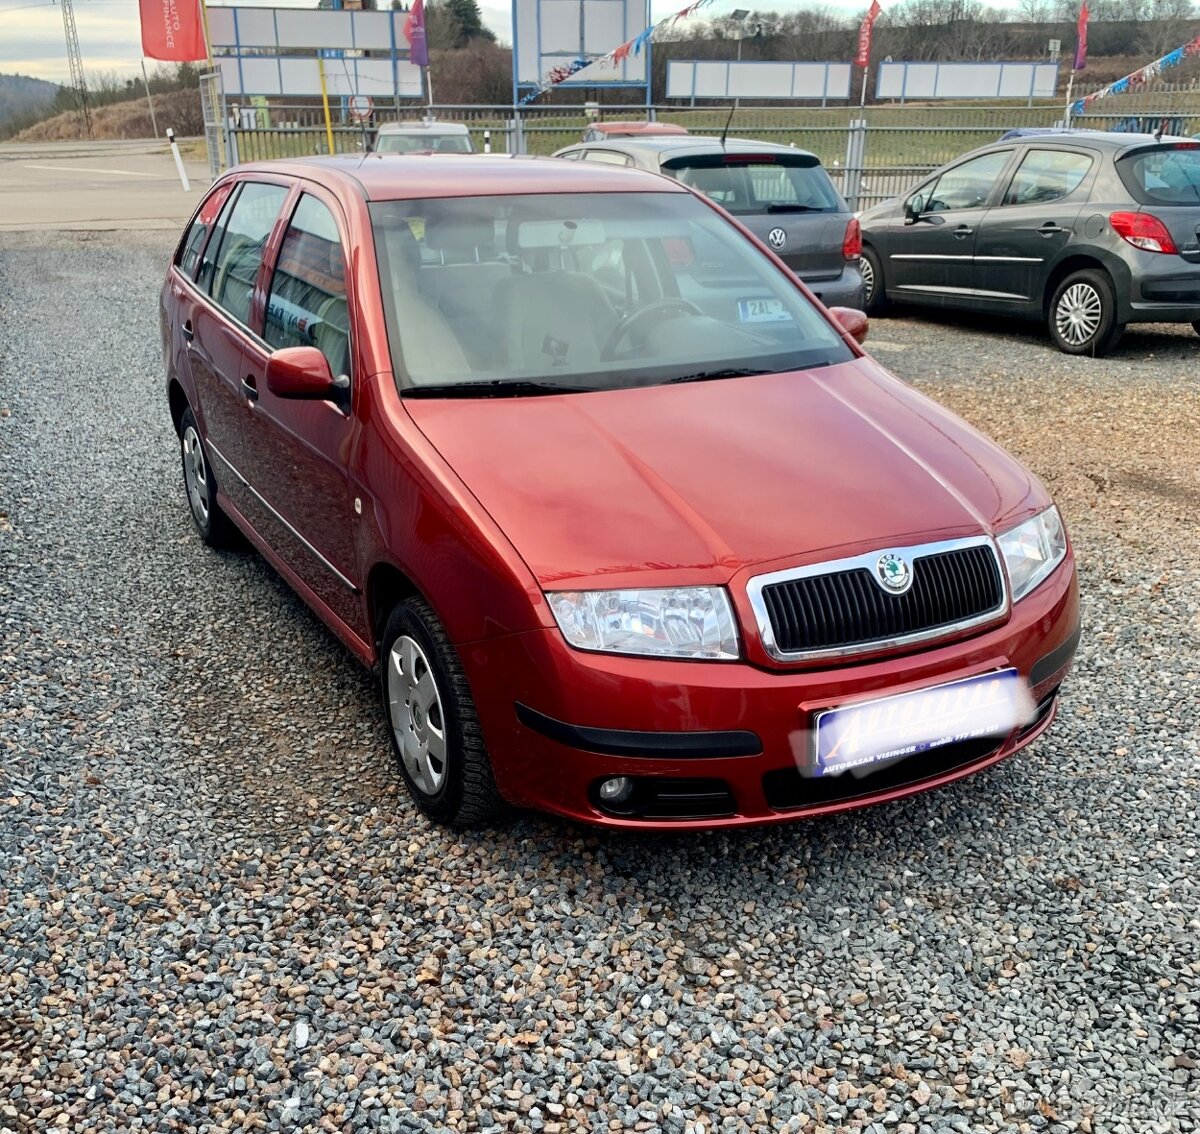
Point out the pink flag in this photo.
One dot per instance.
(1081, 38)
(414, 32)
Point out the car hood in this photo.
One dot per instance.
(692, 483)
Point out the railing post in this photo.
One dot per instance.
(856, 143)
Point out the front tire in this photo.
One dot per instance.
(432, 720)
(874, 299)
(1083, 314)
(213, 526)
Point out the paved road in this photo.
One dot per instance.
(95, 185)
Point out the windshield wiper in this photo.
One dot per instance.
(776, 207)
(710, 375)
(493, 388)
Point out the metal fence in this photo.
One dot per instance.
(872, 153)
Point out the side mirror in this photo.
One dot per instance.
(913, 208)
(302, 372)
(852, 321)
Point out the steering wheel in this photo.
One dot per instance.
(652, 314)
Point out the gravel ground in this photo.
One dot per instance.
(218, 909)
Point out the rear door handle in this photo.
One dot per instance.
(250, 387)
(963, 230)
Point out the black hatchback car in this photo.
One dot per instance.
(1088, 231)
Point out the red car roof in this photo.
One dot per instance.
(393, 177)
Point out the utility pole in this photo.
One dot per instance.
(75, 60)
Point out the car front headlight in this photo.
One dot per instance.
(674, 622)
(1032, 550)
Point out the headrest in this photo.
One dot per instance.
(460, 232)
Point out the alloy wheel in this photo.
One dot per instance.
(1078, 314)
(195, 475)
(415, 708)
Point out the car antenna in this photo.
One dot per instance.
(1162, 129)
(725, 132)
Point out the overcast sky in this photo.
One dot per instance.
(32, 43)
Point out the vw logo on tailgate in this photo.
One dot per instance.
(777, 239)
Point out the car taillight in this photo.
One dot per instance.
(852, 243)
(1143, 230)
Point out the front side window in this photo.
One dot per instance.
(235, 267)
(1047, 175)
(756, 184)
(1169, 175)
(193, 242)
(584, 291)
(966, 186)
(307, 302)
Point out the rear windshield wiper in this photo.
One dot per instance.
(710, 375)
(493, 388)
(777, 207)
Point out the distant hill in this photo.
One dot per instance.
(22, 97)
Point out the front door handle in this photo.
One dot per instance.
(963, 230)
(250, 387)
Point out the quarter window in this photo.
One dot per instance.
(243, 242)
(307, 303)
(966, 186)
(193, 242)
(1047, 175)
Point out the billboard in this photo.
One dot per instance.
(724, 79)
(273, 51)
(966, 80)
(551, 33)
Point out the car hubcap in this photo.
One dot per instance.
(868, 278)
(416, 713)
(195, 475)
(1079, 312)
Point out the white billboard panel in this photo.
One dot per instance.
(547, 33)
(282, 76)
(281, 29)
(722, 78)
(966, 80)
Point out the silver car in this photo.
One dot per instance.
(783, 195)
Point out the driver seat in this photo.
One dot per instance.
(553, 319)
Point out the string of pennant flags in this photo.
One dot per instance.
(1142, 75)
(564, 71)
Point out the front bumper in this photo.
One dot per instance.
(725, 742)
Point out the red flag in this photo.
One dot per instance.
(172, 30)
(1081, 38)
(414, 32)
(864, 35)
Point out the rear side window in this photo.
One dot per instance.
(235, 267)
(608, 157)
(1168, 175)
(1047, 175)
(307, 304)
(193, 242)
(748, 185)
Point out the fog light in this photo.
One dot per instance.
(616, 790)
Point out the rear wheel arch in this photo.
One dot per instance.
(1081, 262)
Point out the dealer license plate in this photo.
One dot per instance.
(763, 311)
(874, 732)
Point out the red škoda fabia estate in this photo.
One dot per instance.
(634, 530)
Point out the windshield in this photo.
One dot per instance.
(1166, 176)
(488, 296)
(425, 140)
(746, 184)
